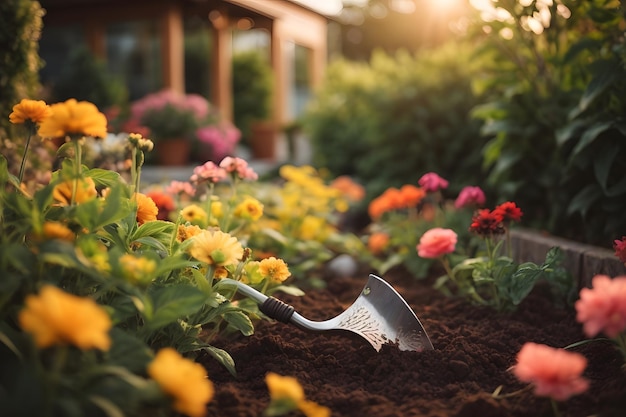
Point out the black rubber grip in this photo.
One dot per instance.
(276, 309)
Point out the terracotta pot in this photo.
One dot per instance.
(173, 152)
(263, 140)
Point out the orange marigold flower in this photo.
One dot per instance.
(164, 202)
(35, 111)
(216, 248)
(74, 118)
(56, 230)
(185, 381)
(56, 317)
(274, 269)
(555, 373)
(352, 190)
(147, 210)
(411, 195)
(85, 191)
(377, 242)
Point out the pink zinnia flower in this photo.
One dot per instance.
(620, 249)
(555, 373)
(603, 307)
(432, 182)
(180, 187)
(470, 196)
(208, 172)
(436, 243)
(238, 167)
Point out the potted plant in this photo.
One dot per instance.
(178, 124)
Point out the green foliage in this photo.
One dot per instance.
(252, 90)
(86, 78)
(20, 29)
(398, 117)
(555, 117)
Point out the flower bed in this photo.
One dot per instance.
(473, 351)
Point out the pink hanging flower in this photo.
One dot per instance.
(555, 373)
(620, 249)
(602, 308)
(432, 182)
(436, 243)
(208, 172)
(470, 196)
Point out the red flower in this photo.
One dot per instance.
(509, 212)
(486, 223)
(620, 249)
(164, 202)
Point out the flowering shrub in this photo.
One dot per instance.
(491, 278)
(168, 115)
(404, 214)
(104, 305)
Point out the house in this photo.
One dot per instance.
(145, 42)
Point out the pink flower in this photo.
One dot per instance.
(208, 172)
(432, 182)
(238, 167)
(555, 373)
(603, 307)
(180, 187)
(437, 242)
(222, 139)
(470, 196)
(620, 249)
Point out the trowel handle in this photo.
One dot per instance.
(270, 306)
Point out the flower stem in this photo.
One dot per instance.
(77, 168)
(23, 163)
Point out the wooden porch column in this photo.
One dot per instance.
(281, 84)
(173, 59)
(221, 62)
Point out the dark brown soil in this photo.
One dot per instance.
(474, 349)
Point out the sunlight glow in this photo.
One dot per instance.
(444, 5)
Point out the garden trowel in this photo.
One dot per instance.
(379, 315)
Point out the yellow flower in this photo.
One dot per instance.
(313, 409)
(220, 272)
(193, 213)
(250, 208)
(56, 230)
(137, 269)
(287, 388)
(311, 228)
(74, 118)
(183, 380)
(56, 317)
(187, 232)
(216, 248)
(34, 110)
(147, 210)
(85, 191)
(274, 269)
(217, 209)
(251, 273)
(284, 387)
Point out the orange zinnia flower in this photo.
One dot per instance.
(147, 210)
(411, 195)
(74, 118)
(377, 242)
(184, 380)
(56, 317)
(85, 191)
(56, 230)
(35, 111)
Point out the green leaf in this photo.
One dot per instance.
(108, 407)
(584, 199)
(128, 352)
(239, 321)
(606, 74)
(522, 282)
(223, 358)
(153, 228)
(287, 289)
(103, 177)
(589, 136)
(173, 303)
